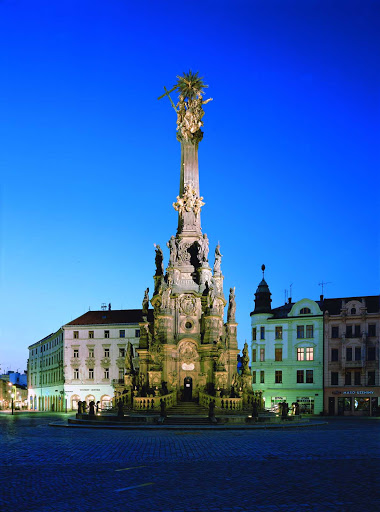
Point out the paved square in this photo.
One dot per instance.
(330, 467)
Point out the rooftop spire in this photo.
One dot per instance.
(262, 296)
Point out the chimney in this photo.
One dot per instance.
(289, 300)
(321, 298)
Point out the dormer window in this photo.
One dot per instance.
(305, 311)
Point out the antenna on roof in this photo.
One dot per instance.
(290, 290)
(323, 283)
(286, 295)
(104, 306)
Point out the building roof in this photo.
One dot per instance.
(115, 316)
(262, 298)
(334, 306)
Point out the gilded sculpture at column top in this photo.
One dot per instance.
(189, 108)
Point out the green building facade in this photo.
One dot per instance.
(287, 352)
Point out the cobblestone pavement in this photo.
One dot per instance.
(332, 467)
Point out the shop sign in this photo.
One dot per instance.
(358, 392)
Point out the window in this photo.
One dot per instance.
(121, 374)
(121, 352)
(262, 333)
(76, 334)
(347, 378)
(137, 333)
(357, 378)
(278, 354)
(357, 331)
(106, 334)
(90, 373)
(371, 354)
(335, 332)
(91, 352)
(300, 376)
(76, 353)
(371, 378)
(91, 334)
(278, 377)
(122, 333)
(334, 354)
(106, 373)
(358, 354)
(262, 374)
(278, 333)
(348, 354)
(334, 378)
(305, 311)
(106, 352)
(253, 377)
(309, 376)
(76, 373)
(349, 331)
(300, 354)
(262, 354)
(309, 353)
(254, 334)
(353, 311)
(372, 330)
(254, 355)
(309, 331)
(300, 331)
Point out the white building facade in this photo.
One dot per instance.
(82, 361)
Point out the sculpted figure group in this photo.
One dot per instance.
(189, 115)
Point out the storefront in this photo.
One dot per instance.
(355, 402)
(308, 403)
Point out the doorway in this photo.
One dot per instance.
(331, 406)
(187, 389)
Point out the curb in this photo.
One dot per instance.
(190, 427)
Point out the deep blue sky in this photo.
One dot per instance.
(90, 163)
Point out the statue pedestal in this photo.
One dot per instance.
(220, 379)
(128, 381)
(155, 378)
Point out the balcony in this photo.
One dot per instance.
(353, 364)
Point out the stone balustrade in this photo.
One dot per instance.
(144, 403)
(223, 403)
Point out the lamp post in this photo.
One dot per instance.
(12, 396)
(65, 403)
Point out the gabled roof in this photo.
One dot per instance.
(115, 316)
(334, 306)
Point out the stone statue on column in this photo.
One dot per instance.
(172, 245)
(203, 249)
(231, 306)
(159, 261)
(128, 364)
(145, 304)
(218, 259)
(245, 361)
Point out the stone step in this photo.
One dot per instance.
(186, 421)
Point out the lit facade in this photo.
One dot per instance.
(82, 361)
(287, 352)
(351, 356)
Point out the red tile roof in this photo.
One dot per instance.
(115, 316)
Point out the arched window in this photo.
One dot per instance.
(305, 311)
(353, 311)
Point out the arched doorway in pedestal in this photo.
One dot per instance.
(187, 389)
